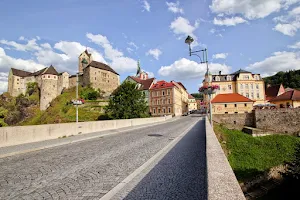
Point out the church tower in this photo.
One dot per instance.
(141, 74)
(84, 59)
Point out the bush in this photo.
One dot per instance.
(89, 93)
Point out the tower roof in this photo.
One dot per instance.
(241, 71)
(101, 65)
(20, 73)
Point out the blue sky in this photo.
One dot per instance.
(260, 36)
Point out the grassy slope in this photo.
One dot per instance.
(249, 156)
(61, 112)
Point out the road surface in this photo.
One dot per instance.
(90, 169)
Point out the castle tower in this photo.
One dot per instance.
(84, 59)
(49, 84)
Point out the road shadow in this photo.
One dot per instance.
(181, 174)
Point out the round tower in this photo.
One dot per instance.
(49, 83)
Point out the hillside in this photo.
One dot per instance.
(289, 79)
(24, 110)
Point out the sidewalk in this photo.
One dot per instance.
(28, 147)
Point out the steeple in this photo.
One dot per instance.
(138, 68)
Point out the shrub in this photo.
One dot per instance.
(89, 93)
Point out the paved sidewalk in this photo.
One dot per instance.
(28, 147)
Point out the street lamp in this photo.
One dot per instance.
(189, 40)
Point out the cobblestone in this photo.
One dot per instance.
(83, 170)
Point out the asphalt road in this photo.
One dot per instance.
(91, 168)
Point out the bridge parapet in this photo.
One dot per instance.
(221, 181)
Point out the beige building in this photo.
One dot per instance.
(231, 103)
(168, 98)
(288, 99)
(192, 103)
(51, 83)
(242, 82)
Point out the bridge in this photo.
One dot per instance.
(179, 158)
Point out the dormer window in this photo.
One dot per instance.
(256, 77)
(228, 78)
(217, 78)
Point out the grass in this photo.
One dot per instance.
(61, 111)
(250, 156)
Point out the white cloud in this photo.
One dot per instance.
(250, 9)
(6, 62)
(130, 50)
(220, 56)
(150, 74)
(279, 61)
(118, 61)
(182, 27)
(229, 21)
(287, 29)
(295, 46)
(174, 7)
(30, 46)
(3, 82)
(46, 46)
(38, 38)
(146, 5)
(184, 69)
(21, 38)
(155, 53)
(133, 44)
(288, 24)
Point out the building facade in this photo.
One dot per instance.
(51, 83)
(231, 103)
(168, 98)
(242, 82)
(287, 100)
(143, 82)
(192, 105)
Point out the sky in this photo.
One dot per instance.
(260, 36)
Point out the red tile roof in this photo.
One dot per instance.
(293, 95)
(145, 83)
(230, 98)
(191, 97)
(272, 91)
(162, 84)
(181, 85)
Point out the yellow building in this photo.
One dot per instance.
(287, 99)
(231, 103)
(242, 82)
(192, 103)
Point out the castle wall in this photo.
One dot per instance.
(15, 85)
(49, 85)
(73, 79)
(63, 82)
(101, 79)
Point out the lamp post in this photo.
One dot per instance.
(189, 40)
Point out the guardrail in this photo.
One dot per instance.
(221, 181)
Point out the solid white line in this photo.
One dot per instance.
(139, 170)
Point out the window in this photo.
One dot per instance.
(163, 93)
(257, 95)
(169, 101)
(256, 77)
(53, 85)
(95, 72)
(242, 86)
(228, 78)
(245, 105)
(225, 105)
(169, 109)
(235, 112)
(168, 92)
(252, 95)
(257, 86)
(217, 78)
(229, 87)
(246, 77)
(235, 105)
(44, 76)
(247, 95)
(251, 86)
(164, 110)
(226, 112)
(17, 79)
(153, 94)
(154, 110)
(247, 86)
(159, 110)
(48, 76)
(95, 78)
(157, 93)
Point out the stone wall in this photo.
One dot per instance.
(284, 120)
(26, 134)
(48, 90)
(237, 121)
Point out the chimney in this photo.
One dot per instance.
(220, 72)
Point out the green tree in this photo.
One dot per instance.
(89, 93)
(197, 95)
(127, 102)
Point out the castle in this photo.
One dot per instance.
(51, 83)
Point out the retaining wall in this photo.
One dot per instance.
(26, 134)
(221, 181)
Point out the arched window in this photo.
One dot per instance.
(228, 78)
(217, 78)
